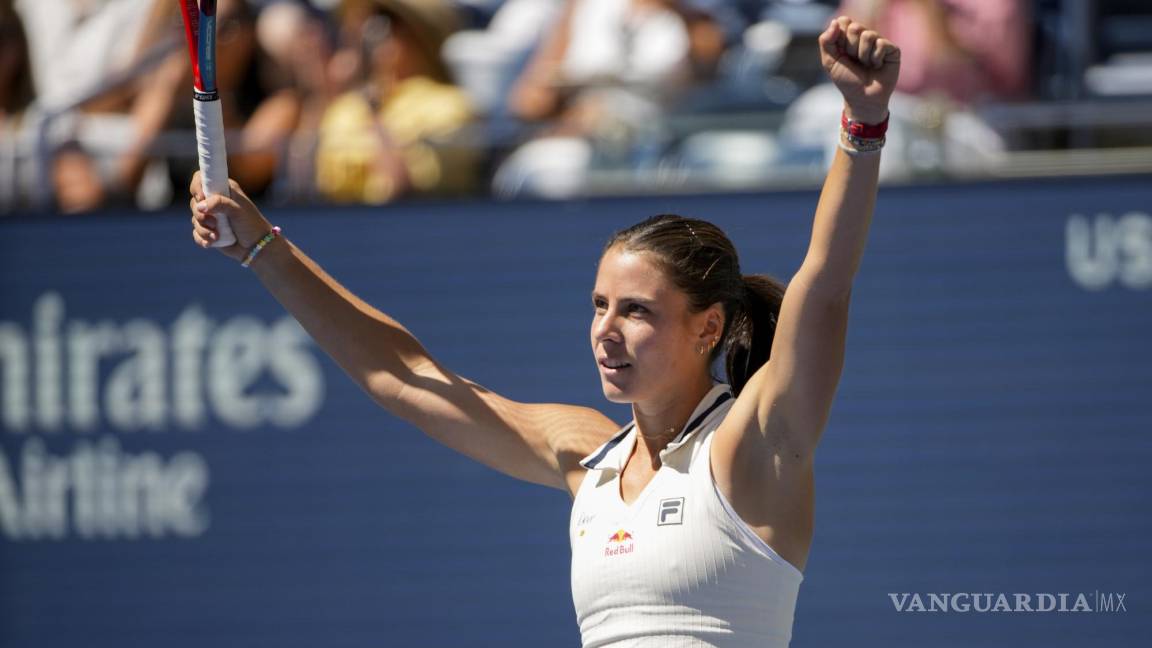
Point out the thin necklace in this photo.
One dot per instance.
(671, 432)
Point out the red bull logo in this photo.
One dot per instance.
(620, 536)
(619, 543)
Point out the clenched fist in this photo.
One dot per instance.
(863, 65)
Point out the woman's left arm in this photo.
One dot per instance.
(762, 454)
(786, 403)
(808, 349)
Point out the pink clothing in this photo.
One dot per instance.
(991, 53)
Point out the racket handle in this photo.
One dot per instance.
(213, 161)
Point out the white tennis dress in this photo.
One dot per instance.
(677, 567)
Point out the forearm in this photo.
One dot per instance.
(864, 66)
(375, 350)
(843, 217)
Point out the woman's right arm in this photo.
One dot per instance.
(540, 443)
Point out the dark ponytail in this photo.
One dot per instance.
(748, 342)
(700, 260)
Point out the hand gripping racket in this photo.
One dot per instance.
(200, 30)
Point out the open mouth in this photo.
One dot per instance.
(614, 365)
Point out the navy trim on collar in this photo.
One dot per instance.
(720, 400)
(591, 462)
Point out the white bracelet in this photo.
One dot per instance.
(854, 146)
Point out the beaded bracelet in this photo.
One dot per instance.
(856, 146)
(864, 142)
(260, 245)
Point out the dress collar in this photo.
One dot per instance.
(613, 454)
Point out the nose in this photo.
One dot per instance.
(604, 327)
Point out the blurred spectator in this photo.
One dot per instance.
(16, 96)
(295, 41)
(76, 46)
(606, 74)
(969, 50)
(487, 61)
(81, 52)
(393, 135)
(76, 182)
(16, 88)
(640, 45)
(955, 54)
(118, 105)
(301, 54)
(261, 104)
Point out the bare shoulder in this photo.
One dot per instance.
(763, 465)
(541, 443)
(760, 420)
(574, 433)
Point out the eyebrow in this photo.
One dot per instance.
(639, 300)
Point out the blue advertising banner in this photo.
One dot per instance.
(180, 465)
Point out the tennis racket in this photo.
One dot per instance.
(200, 30)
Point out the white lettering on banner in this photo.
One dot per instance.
(65, 373)
(49, 311)
(99, 492)
(156, 376)
(1104, 250)
(14, 370)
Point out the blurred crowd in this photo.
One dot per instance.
(370, 101)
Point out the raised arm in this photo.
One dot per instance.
(762, 456)
(808, 349)
(540, 443)
(799, 382)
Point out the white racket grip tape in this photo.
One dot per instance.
(213, 161)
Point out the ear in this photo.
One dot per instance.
(712, 323)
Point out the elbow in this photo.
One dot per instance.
(386, 388)
(382, 387)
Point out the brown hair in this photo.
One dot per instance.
(700, 260)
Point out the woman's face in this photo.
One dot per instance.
(642, 321)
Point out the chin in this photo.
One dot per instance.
(622, 392)
(614, 395)
(617, 393)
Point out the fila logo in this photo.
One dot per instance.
(671, 511)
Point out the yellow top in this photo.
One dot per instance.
(419, 109)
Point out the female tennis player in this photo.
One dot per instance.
(691, 524)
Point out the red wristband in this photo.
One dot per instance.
(862, 130)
